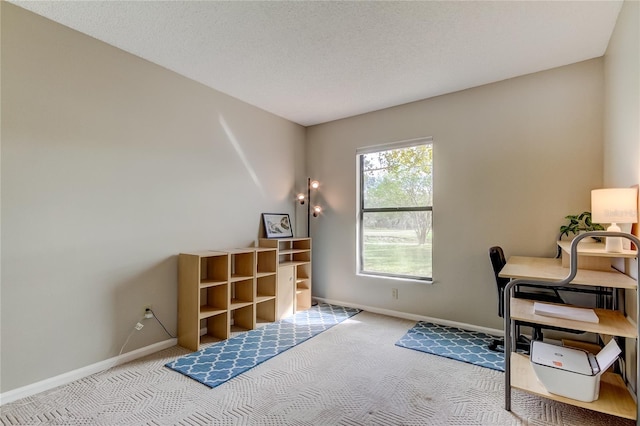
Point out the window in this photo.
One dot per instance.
(395, 210)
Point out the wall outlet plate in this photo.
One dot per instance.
(148, 312)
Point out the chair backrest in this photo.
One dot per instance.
(498, 261)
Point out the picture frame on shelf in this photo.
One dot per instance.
(277, 225)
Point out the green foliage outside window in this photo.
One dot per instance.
(397, 191)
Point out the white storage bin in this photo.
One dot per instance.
(573, 373)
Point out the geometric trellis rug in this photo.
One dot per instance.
(454, 343)
(225, 360)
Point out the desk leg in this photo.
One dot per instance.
(509, 333)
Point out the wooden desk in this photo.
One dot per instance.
(615, 399)
(549, 269)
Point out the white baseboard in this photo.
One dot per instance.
(414, 317)
(83, 372)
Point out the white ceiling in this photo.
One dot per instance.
(313, 62)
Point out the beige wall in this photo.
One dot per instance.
(622, 100)
(110, 167)
(622, 124)
(511, 159)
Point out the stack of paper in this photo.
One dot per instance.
(565, 312)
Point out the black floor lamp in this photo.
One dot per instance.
(316, 210)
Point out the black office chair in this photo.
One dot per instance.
(551, 295)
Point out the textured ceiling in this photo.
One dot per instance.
(313, 62)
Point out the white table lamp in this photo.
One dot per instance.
(614, 205)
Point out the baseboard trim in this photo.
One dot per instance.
(414, 317)
(80, 373)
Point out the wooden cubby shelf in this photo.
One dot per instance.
(294, 273)
(236, 289)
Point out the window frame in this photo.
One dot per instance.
(360, 153)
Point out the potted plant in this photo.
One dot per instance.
(581, 222)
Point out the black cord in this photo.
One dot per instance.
(160, 322)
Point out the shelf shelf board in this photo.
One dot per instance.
(614, 398)
(264, 274)
(205, 253)
(211, 283)
(207, 339)
(595, 249)
(234, 329)
(237, 304)
(294, 263)
(235, 278)
(264, 249)
(249, 250)
(263, 298)
(210, 311)
(293, 251)
(261, 322)
(612, 323)
(550, 269)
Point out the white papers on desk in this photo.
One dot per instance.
(565, 312)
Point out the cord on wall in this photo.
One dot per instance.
(159, 322)
(136, 327)
(148, 314)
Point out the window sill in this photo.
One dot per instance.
(391, 277)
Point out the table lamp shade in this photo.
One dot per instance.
(614, 205)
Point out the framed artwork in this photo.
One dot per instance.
(277, 225)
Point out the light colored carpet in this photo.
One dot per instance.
(352, 374)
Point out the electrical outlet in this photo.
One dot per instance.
(147, 311)
(394, 293)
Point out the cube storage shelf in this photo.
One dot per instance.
(234, 290)
(294, 273)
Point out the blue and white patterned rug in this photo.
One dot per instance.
(454, 343)
(224, 360)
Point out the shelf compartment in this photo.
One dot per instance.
(266, 310)
(213, 268)
(243, 318)
(266, 261)
(614, 398)
(241, 264)
(266, 286)
(212, 300)
(216, 326)
(303, 286)
(303, 299)
(612, 323)
(241, 293)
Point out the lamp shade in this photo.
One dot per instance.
(614, 205)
